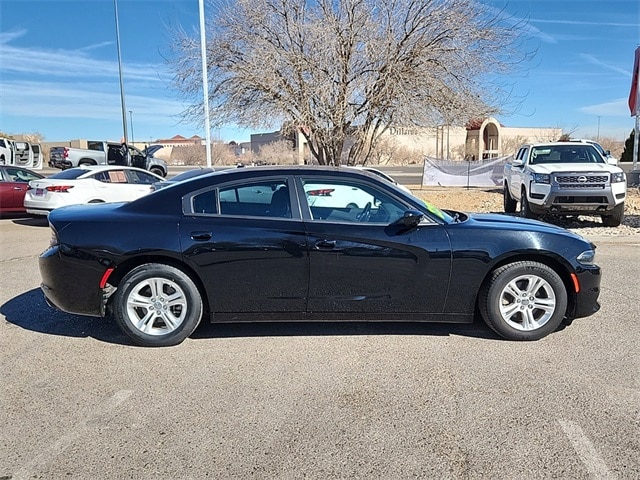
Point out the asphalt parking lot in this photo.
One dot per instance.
(316, 400)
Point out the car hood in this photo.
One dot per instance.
(580, 168)
(508, 222)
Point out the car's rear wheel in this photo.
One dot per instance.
(615, 219)
(509, 203)
(157, 305)
(523, 300)
(525, 209)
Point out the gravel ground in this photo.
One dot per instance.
(490, 200)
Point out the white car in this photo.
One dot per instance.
(88, 184)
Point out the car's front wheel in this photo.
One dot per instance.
(523, 300)
(525, 209)
(615, 219)
(157, 305)
(158, 171)
(508, 203)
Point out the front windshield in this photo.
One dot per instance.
(440, 214)
(581, 153)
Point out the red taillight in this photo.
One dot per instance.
(65, 154)
(322, 192)
(59, 188)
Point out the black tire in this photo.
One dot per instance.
(86, 162)
(523, 301)
(158, 171)
(178, 302)
(508, 203)
(525, 209)
(615, 219)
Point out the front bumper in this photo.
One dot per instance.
(557, 199)
(586, 300)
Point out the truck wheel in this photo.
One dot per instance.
(523, 300)
(85, 162)
(525, 210)
(509, 203)
(615, 219)
(158, 171)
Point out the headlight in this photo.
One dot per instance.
(587, 257)
(618, 177)
(542, 178)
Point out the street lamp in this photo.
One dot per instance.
(598, 128)
(131, 120)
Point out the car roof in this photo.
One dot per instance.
(564, 143)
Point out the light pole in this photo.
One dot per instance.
(598, 128)
(205, 82)
(131, 120)
(124, 108)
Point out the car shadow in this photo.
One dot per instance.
(31, 312)
(39, 221)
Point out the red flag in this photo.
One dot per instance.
(633, 94)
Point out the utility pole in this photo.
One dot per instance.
(205, 82)
(131, 120)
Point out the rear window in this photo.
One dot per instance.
(70, 174)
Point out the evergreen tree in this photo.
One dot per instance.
(627, 153)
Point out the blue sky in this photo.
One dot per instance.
(59, 69)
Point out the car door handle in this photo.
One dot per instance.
(325, 245)
(201, 236)
(18, 188)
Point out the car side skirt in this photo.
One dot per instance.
(231, 317)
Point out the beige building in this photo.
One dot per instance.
(480, 139)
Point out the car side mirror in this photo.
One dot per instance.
(517, 162)
(411, 218)
(612, 161)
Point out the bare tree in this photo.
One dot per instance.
(349, 69)
(279, 152)
(221, 154)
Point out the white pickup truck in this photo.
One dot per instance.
(564, 178)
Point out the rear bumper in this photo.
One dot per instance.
(70, 283)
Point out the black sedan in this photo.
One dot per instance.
(290, 244)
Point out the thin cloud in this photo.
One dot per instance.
(6, 37)
(579, 22)
(593, 60)
(614, 108)
(95, 46)
(89, 101)
(69, 63)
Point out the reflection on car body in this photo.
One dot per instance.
(249, 245)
